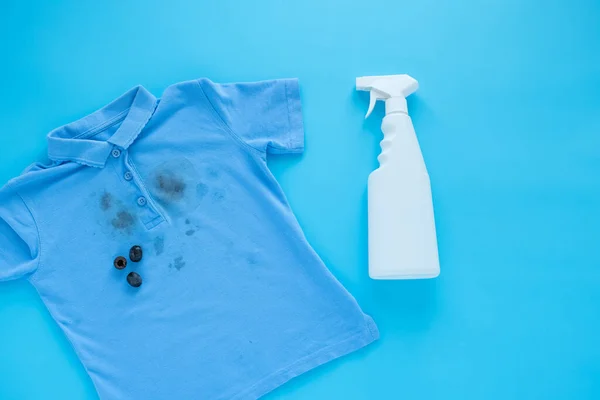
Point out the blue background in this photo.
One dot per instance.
(508, 117)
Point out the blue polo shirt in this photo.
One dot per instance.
(233, 301)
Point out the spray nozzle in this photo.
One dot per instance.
(386, 87)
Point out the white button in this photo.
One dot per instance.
(141, 201)
(116, 153)
(128, 176)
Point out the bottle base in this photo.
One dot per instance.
(392, 275)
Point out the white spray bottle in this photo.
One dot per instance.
(402, 238)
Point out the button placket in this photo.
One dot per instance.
(148, 213)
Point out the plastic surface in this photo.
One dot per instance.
(402, 238)
(394, 89)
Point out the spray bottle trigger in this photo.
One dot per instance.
(375, 95)
(371, 103)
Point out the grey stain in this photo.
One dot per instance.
(218, 195)
(190, 232)
(213, 173)
(170, 185)
(106, 201)
(159, 245)
(201, 190)
(187, 221)
(123, 221)
(178, 263)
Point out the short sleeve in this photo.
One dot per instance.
(19, 244)
(267, 115)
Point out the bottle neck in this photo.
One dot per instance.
(395, 105)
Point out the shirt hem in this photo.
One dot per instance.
(295, 123)
(368, 335)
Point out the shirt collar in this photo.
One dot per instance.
(74, 142)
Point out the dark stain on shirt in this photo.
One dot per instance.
(106, 201)
(218, 195)
(178, 263)
(190, 232)
(213, 173)
(187, 221)
(123, 221)
(171, 186)
(159, 245)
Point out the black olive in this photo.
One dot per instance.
(120, 262)
(134, 279)
(135, 254)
